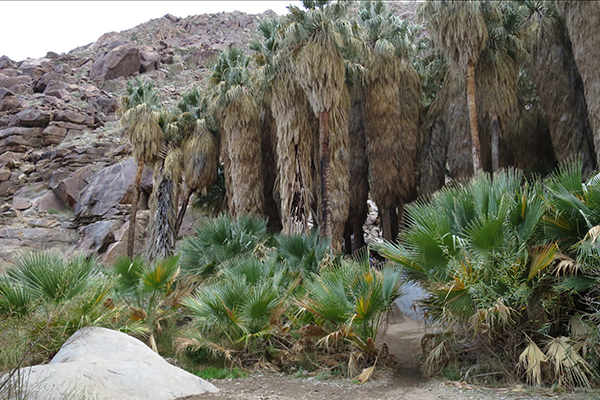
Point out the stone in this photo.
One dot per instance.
(6, 62)
(4, 92)
(19, 139)
(103, 363)
(40, 238)
(106, 189)
(9, 159)
(41, 222)
(4, 174)
(36, 67)
(10, 103)
(34, 118)
(98, 236)
(63, 68)
(69, 189)
(149, 60)
(61, 94)
(49, 77)
(122, 60)
(69, 116)
(10, 82)
(53, 135)
(50, 201)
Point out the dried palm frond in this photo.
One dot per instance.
(565, 265)
(570, 369)
(530, 360)
(339, 195)
(581, 19)
(242, 128)
(296, 140)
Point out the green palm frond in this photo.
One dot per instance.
(159, 275)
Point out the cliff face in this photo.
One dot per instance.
(65, 165)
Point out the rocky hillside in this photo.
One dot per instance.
(65, 165)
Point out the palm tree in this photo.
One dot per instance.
(200, 148)
(141, 120)
(581, 19)
(459, 31)
(238, 113)
(558, 83)
(316, 36)
(392, 111)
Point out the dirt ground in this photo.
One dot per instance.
(406, 382)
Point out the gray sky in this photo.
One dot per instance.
(32, 28)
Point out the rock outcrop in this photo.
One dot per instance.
(102, 363)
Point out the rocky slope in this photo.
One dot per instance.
(65, 165)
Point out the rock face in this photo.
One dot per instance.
(101, 363)
(122, 60)
(106, 190)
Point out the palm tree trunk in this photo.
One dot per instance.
(182, 210)
(134, 206)
(324, 159)
(475, 147)
(495, 141)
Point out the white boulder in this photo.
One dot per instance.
(101, 363)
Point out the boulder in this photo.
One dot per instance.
(36, 67)
(70, 116)
(69, 189)
(50, 201)
(14, 81)
(49, 77)
(119, 248)
(63, 68)
(98, 236)
(53, 135)
(122, 60)
(19, 139)
(10, 103)
(149, 60)
(106, 189)
(6, 62)
(102, 363)
(34, 118)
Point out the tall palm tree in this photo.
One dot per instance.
(200, 148)
(558, 82)
(582, 19)
(459, 31)
(141, 119)
(392, 111)
(238, 112)
(316, 35)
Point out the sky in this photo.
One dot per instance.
(32, 28)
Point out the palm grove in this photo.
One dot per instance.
(339, 102)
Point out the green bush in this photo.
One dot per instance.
(506, 264)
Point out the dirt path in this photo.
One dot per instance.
(406, 383)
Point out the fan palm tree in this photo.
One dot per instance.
(392, 110)
(581, 19)
(140, 118)
(200, 148)
(316, 36)
(237, 110)
(459, 31)
(558, 82)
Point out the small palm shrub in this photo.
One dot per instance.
(44, 299)
(153, 292)
(303, 253)
(218, 240)
(236, 313)
(503, 261)
(349, 299)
